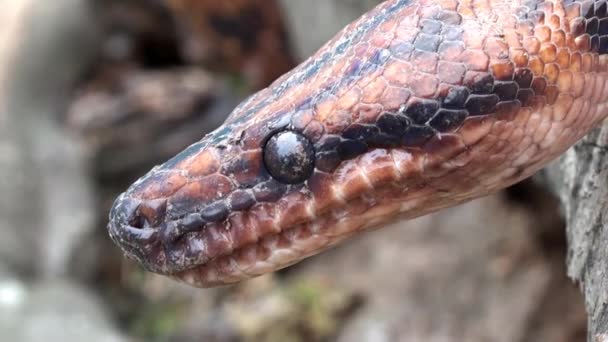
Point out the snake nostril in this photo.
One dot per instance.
(152, 213)
(139, 214)
(132, 216)
(137, 222)
(128, 212)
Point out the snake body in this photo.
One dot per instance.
(417, 106)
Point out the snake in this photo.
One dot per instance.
(417, 106)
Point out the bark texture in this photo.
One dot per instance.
(580, 180)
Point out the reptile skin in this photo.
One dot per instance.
(417, 106)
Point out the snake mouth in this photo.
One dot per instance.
(209, 256)
(220, 254)
(266, 237)
(178, 246)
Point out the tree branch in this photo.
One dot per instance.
(580, 178)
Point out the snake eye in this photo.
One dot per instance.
(289, 157)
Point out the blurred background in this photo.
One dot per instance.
(93, 93)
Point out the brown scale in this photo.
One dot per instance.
(417, 106)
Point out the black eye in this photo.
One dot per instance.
(289, 157)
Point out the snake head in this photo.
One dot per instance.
(235, 204)
(417, 106)
(259, 193)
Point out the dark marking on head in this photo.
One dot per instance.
(421, 111)
(360, 132)
(603, 27)
(524, 77)
(592, 26)
(269, 191)
(603, 48)
(447, 119)
(327, 161)
(215, 212)
(191, 223)
(328, 143)
(456, 98)
(600, 9)
(349, 149)
(587, 9)
(241, 200)
(483, 85)
(506, 90)
(481, 104)
(392, 124)
(417, 135)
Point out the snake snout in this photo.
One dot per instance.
(134, 226)
(140, 214)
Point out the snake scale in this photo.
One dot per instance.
(416, 106)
